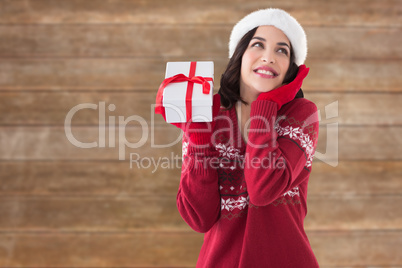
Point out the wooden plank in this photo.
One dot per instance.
(148, 249)
(178, 41)
(356, 178)
(359, 143)
(364, 249)
(354, 213)
(81, 74)
(51, 108)
(160, 249)
(100, 214)
(117, 179)
(358, 109)
(353, 75)
(142, 73)
(114, 41)
(151, 212)
(51, 143)
(89, 178)
(313, 12)
(336, 43)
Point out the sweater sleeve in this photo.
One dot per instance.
(198, 198)
(279, 149)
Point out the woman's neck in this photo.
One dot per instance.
(248, 94)
(243, 110)
(243, 116)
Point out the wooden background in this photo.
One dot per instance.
(64, 206)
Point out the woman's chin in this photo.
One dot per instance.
(263, 90)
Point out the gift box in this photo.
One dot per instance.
(187, 91)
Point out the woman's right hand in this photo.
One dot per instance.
(199, 133)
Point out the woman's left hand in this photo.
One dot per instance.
(286, 93)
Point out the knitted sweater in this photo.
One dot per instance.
(250, 199)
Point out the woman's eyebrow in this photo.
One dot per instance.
(259, 38)
(263, 39)
(283, 44)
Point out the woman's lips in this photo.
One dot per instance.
(266, 72)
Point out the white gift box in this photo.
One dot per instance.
(174, 94)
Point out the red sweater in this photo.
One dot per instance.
(250, 199)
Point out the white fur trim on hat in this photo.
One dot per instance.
(275, 17)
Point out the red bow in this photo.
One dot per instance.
(191, 79)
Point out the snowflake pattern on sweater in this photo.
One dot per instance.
(228, 151)
(230, 204)
(252, 209)
(241, 203)
(232, 186)
(297, 134)
(184, 149)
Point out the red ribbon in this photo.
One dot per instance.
(191, 79)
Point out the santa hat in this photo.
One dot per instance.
(275, 17)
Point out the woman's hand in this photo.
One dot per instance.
(199, 133)
(286, 93)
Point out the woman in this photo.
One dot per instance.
(244, 177)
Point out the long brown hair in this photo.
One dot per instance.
(230, 80)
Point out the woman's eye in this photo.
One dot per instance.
(283, 50)
(258, 44)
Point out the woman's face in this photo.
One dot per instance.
(265, 61)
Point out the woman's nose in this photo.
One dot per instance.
(268, 57)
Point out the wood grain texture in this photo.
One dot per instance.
(117, 179)
(141, 73)
(149, 249)
(89, 178)
(191, 41)
(99, 214)
(351, 109)
(354, 178)
(180, 249)
(359, 143)
(314, 12)
(65, 206)
(159, 212)
(357, 249)
(51, 143)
